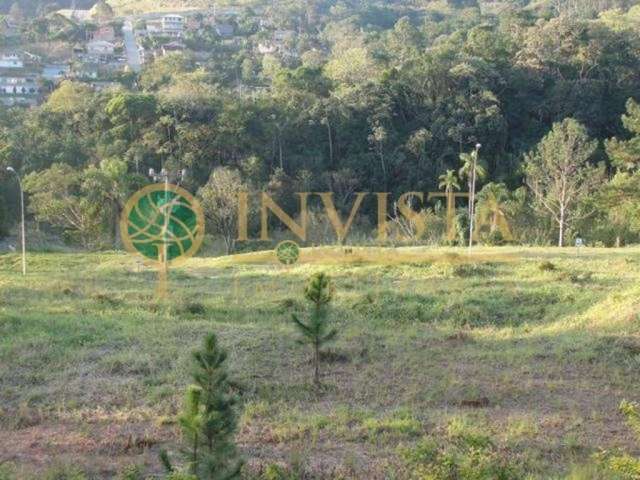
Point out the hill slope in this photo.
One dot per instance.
(532, 349)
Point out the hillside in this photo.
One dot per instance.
(527, 351)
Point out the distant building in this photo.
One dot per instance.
(266, 48)
(106, 33)
(19, 86)
(85, 70)
(55, 72)
(11, 60)
(172, 47)
(225, 30)
(173, 25)
(100, 48)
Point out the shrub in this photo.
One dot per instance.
(494, 239)
(132, 472)
(547, 266)
(64, 472)
(316, 332)
(209, 419)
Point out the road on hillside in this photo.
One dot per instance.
(131, 46)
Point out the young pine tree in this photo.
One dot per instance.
(208, 419)
(316, 332)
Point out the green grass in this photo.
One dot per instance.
(483, 359)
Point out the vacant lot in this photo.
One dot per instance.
(529, 351)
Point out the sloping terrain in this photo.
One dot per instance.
(531, 348)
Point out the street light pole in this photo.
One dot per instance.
(22, 224)
(165, 176)
(472, 198)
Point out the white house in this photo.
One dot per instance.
(266, 48)
(100, 47)
(18, 83)
(173, 25)
(11, 60)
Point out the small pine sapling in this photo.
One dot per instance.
(209, 419)
(316, 331)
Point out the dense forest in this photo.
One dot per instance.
(379, 96)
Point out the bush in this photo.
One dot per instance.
(132, 472)
(494, 239)
(429, 459)
(64, 472)
(547, 266)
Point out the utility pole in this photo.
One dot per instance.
(22, 224)
(472, 193)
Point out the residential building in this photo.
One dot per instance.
(55, 72)
(172, 47)
(105, 33)
(225, 30)
(173, 25)
(19, 86)
(11, 60)
(266, 48)
(100, 48)
(154, 27)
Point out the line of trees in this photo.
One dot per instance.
(367, 106)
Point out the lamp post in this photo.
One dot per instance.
(22, 226)
(165, 176)
(472, 198)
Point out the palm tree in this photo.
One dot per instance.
(473, 170)
(492, 208)
(449, 182)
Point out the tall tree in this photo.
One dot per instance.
(560, 176)
(219, 198)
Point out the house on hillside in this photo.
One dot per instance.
(172, 48)
(105, 33)
(266, 48)
(100, 48)
(11, 60)
(173, 25)
(19, 86)
(154, 27)
(56, 72)
(225, 30)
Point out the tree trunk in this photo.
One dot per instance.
(316, 364)
(561, 234)
(116, 226)
(280, 150)
(330, 143)
(618, 241)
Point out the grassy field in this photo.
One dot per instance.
(511, 357)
